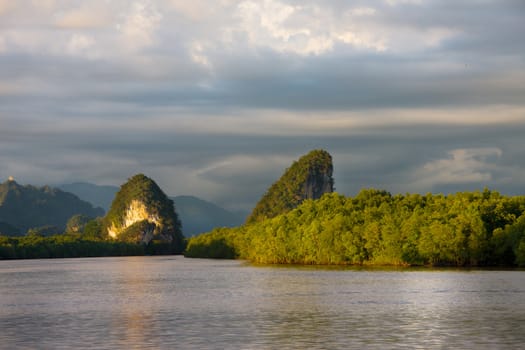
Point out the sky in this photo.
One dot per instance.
(217, 98)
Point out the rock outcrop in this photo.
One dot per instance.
(141, 212)
(196, 214)
(308, 178)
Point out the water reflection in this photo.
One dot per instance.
(132, 322)
(166, 302)
(402, 309)
(291, 310)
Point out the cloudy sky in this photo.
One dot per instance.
(217, 98)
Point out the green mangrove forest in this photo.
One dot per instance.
(377, 228)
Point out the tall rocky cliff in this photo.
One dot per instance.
(308, 178)
(141, 212)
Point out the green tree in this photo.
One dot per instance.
(375, 227)
(77, 223)
(93, 229)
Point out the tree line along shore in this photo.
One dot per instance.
(300, 220)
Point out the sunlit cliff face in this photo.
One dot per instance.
(135, 212)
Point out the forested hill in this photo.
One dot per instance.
(374, 227)
(196, 215)
(25, 207)
(141, 212)
(308, 178)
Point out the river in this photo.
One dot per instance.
(167, 302)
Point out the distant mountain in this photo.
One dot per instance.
(198, 216)
(308, 178)
(195, 214)
(100, 196)
(25, 207)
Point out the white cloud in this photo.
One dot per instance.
(268, 18)
(363, 40)
(197, 52)
(139, 25)
(309, 29)
(465, 165)
(195, 10)
(363, 11)
(288, 122)
(46, 5)
(403, 2)
(88, 15)
(303, 29)
(274, 122)
(80, 44)
(240, 163)
(257, 173)
(26, 41)
(435, 36)
(199, 10)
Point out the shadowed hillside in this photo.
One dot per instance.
(25, 207)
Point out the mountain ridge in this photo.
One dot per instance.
(26, 206)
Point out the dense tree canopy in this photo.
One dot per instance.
(374, 227)
(87, 242)
(63, 246)
(77, 223)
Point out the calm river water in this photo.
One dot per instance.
(178, 303)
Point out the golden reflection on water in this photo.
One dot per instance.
(133, 289)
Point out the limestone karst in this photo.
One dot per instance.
(141, 212)
(308, 178)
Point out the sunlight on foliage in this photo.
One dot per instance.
(374, 227)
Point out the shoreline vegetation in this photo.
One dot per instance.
(378, 229)
(374, 228)
(70, 245)
(300, 220)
